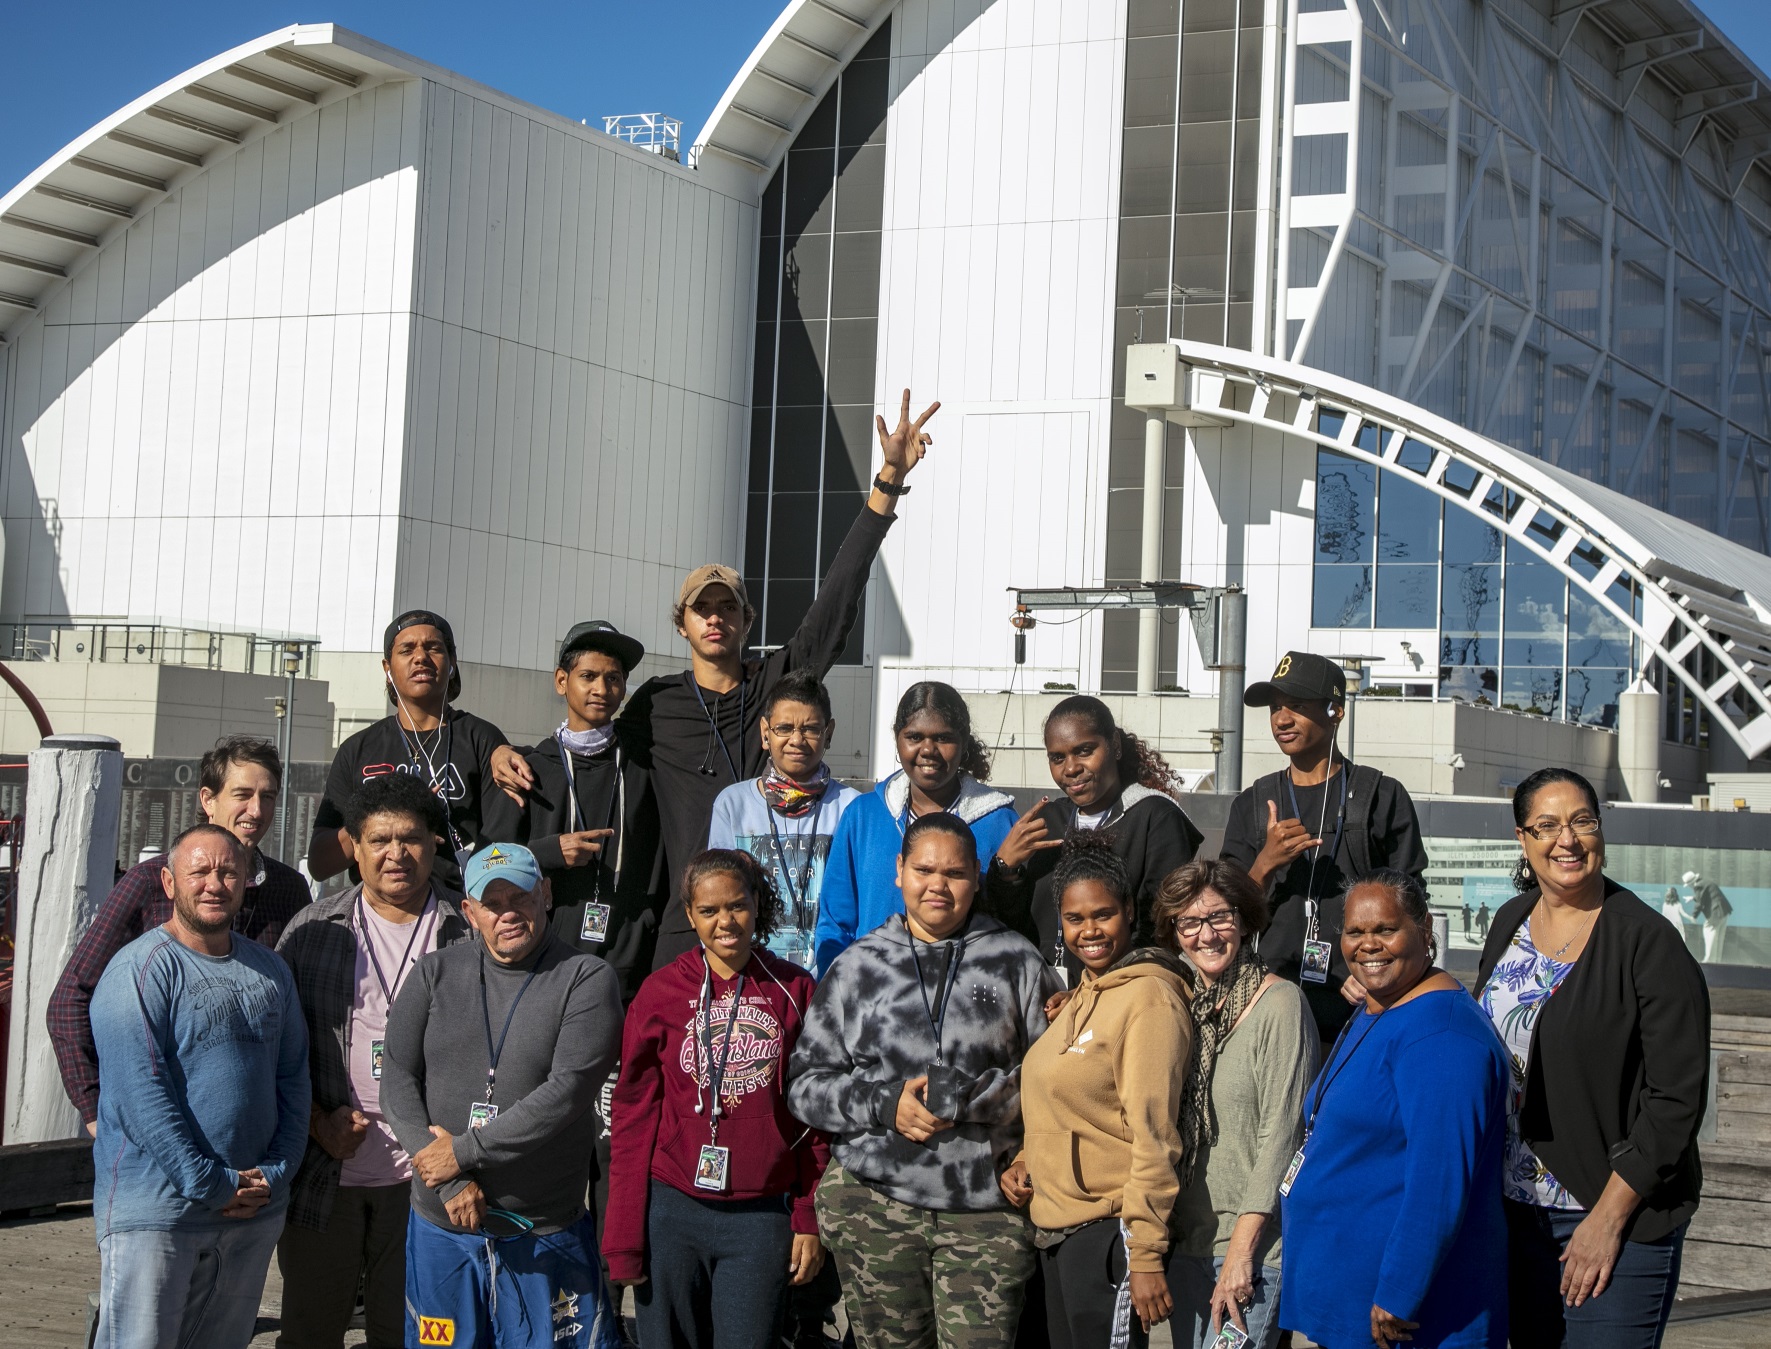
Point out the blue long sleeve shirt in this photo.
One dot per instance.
(202, 1074)
(861, 877)
(1397, 1202)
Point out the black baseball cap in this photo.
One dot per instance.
(1302, 675)
(601, 635)
(426, 618)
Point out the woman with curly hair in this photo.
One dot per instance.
(1112, 781)
(943, 767)
(710, 1176)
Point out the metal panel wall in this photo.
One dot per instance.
(205, 425)
(578, 404)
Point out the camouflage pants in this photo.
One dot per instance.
(913, 1278)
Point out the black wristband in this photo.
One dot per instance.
(890, 489)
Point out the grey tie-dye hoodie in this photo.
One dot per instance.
(869, 1032)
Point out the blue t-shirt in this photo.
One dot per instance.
(202, 1074)
(1397, 1201)
(793, 849)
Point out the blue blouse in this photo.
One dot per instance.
(1397, 1201)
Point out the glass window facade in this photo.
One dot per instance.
(811, 431)
(1513, 631)
(1548, 248)
(1191, 154)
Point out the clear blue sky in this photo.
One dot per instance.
(70, 64)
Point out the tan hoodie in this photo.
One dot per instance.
(1100, 1097)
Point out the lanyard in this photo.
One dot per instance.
(904, 818)
(798, 890)
(937, 1014)
(1325, 1082)
(1340, 823)
(713, 725)
(578, 822)
(369, 943)
(716, 1071)
(423, 763)
(495, 1052)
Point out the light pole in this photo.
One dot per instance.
(1355, 668)
(286, 727)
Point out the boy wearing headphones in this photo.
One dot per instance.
(452, 752)
(1306, 830)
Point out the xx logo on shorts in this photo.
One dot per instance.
(436, 1330)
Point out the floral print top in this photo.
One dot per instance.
(1516, 991)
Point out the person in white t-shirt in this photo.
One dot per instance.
(350, 955)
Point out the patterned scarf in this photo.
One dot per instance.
(1215, 1010)
(790, 797)
(591, 740)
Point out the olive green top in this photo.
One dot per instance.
(1264, 1067)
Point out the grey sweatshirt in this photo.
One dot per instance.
(869, 1031)
(535, 1157)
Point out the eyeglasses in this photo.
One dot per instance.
(1221, 921)
(1548, 831)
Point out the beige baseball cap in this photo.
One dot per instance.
(713, 574)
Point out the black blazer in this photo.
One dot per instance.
(1618, 1072)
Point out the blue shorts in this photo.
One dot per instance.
(471, 1292)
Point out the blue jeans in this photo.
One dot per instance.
(192, 1289)
(1630, 1314)
(1190, 1281)
(475, 1292)
(716, 1270)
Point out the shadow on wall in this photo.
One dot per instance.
(192, 368)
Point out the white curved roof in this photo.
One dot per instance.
(93, 187)
(56, 220)
(792, 68)
(1699, 590)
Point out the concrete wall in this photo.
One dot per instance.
(162, 711)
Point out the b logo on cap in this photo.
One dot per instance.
(1284, 667)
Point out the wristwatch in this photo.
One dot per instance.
(890, 489)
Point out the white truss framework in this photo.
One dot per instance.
(1683, 614)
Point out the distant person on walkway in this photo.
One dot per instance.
(1112, 783)
(1482, 920)
(1713, 907)
(454, 753)
(1467, 914)
(351, 955)
(697, 731)
(1304, 832)
(1392, 1210)
(590, 818)
(202, 1112)
(496, 1053)
(1606, 1018)
(942, 769)
(238, 784)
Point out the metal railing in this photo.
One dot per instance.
(107, 641)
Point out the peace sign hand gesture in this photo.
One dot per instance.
(903, 446)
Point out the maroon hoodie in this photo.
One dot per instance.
(655, 1131)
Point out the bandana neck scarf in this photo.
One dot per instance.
(592, 740)
(790, 797)
(1215, 1011)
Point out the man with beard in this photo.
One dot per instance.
(202, 1112)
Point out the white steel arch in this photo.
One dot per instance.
(1699, 593)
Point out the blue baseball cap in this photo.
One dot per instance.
(501, 862)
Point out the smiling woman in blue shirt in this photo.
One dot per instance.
(1392, 1217)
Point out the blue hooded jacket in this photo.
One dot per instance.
(861, 877)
